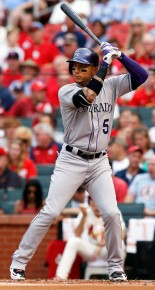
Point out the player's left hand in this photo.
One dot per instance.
(107, 48)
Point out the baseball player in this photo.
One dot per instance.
(87, 108)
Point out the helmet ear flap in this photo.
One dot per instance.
(70, 67)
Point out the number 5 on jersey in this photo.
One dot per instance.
(106, 126)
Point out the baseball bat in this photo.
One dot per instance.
(78, 21)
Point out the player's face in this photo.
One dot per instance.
(83, 73)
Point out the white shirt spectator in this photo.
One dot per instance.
(141, 9)
(58, 16)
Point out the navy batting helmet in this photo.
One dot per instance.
(84, 55)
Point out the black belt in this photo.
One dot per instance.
(83, 154)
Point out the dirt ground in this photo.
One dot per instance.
(77, 284)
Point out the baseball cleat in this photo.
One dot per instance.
(118, 276)
(17, 274)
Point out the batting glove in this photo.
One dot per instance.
(109, 56)
(107, 48)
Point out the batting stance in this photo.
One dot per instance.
(87, 108)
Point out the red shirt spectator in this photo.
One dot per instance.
(24, 166)
(46, 150)
(29, 106)
(12, 73)
(41, 51)
(145, 95)
(28, 169)
(46, 155)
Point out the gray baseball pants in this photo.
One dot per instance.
(70, 172)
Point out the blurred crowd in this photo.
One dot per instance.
(36, 39)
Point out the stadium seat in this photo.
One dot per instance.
(8, 207)
(44, 181)
(26, 122)
(131, 210)
(59, 126)
(45, 169)
(14, 194)
(10, 195)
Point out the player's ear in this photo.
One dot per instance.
(95, 69)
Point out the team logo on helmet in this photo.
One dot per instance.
(77, 53)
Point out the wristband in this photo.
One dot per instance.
(96, 82)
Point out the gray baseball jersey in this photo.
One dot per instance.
(89, 128)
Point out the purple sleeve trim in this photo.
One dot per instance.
(137, 72)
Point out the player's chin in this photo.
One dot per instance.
(78, 81)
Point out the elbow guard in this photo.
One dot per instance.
(79, 100)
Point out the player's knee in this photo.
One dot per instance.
(111, 215)
(50, 212)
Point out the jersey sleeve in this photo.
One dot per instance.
(65, 94)
(120, 84)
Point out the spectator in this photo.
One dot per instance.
(145, 95)
(52, 121)
(9, 126)
(104, 11)
(143, 54)
(78, 198)
(141, 9)
(19, 162)
(27, 106)
(89, 240)
(24, 24)
(69, 27)
(152, 129)
(52, 77)
(135, 154)
(70, 44)
(99, 29)
(17, 90)
(135, 121)
(8, 178)
(140, 137)
(118, 154)
(24, 135)
(12, 73)
(41, 51)
(136, 31)
(32, 200)
(83, 11)
(46, 150)
(142, 189)
(16, 8)
(121, 128)
(6, 98)
(11, 46)
(29, 70)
